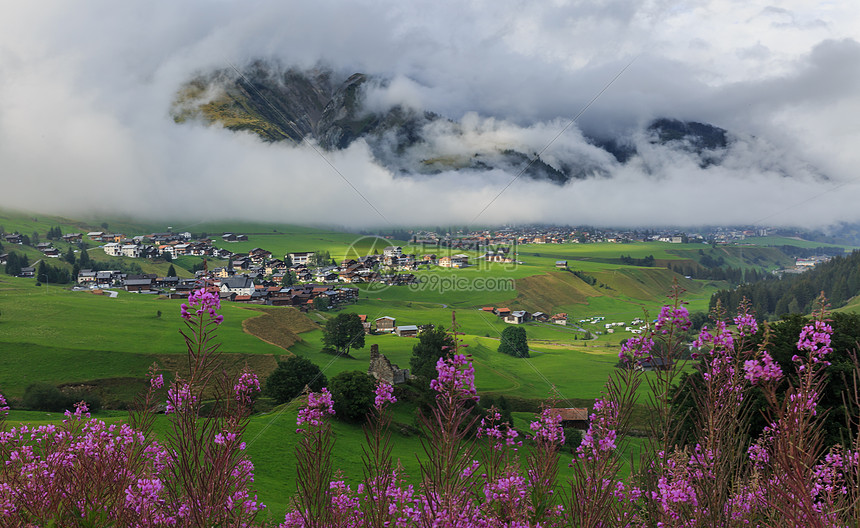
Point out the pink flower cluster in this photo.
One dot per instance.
(3, 405)
(547, 428)
(179, 397)
(200, 301)
(500, 433)
(637, 347)
(746, 324)
(320, 404)
(671, 317)
(384, 395)
(815, 340)
(456, 374)
(102, 471)
(602, 431)
(246, 387)
(156, 381)
(721, 340)
(764, 369)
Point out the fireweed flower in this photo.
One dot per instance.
(548, 427)
(601, 434)
(502, 434)
(722, 339)
(319, 405)
(247, 385)
(746, 324)
(763, 369)
(451, 375)
(815, 340)
(200, 302)
(384, 395)
(637, 347)
(672, 317)
(179, 397)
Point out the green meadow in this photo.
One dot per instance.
(52, 334)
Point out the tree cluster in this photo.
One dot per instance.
(647, 262)
(54, 233)
(839, 279)
(52, 275)
(320, 258)
(353, 395)
(15, 262)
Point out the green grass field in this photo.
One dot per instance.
(51, 334)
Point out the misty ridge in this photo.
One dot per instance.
(335, 110)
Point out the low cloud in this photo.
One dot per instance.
(85, 125)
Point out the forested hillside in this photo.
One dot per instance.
(839, 279)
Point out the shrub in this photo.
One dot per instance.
(352, 393)
(291, 377)
(514, 342)
(45, 397)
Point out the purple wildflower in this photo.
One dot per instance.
(762, 370)
(384, 395)
(815, 339)
(201, 301)
(453, 376)
(746, 324)
(638, 347)
(319, 405)
(672, 317)
(179, 397)
(548, 427)
(246, 386)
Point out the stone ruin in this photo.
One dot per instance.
(382, 369)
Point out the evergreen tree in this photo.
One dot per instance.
(42, 272)
(171, 271)
(70, 256)
(84, 259)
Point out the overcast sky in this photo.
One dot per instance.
(86, 87)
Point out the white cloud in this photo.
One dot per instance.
(85, 90)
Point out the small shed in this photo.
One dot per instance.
(576, 417)
(407, 331)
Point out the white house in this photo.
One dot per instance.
(130, 250)
(392, 251)
(301, 258)
(114, 249)
(240, 285)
